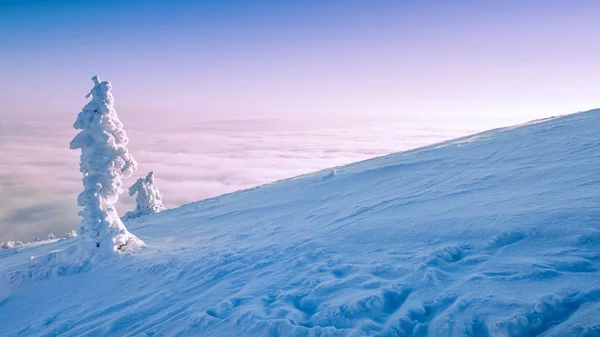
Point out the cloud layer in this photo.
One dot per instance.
(39, 176)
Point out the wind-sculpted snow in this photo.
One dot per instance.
(491, 235)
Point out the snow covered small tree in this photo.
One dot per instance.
(104, 161)
(148, 200)
(10, 244)
(7, 245)
(71, 234)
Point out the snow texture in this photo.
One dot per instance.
(104, 161)
(497, 234)
(148, 199)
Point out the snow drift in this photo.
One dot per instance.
(497, 234)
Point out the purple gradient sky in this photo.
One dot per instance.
(388, 59)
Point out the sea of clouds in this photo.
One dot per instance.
(40, 178)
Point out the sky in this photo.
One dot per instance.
(466, 59)
(222, 95)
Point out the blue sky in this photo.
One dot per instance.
(208, 59)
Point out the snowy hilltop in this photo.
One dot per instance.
(148, 199)
(496, 234)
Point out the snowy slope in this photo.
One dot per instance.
(496, 234)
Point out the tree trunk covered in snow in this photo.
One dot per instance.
(104, 161)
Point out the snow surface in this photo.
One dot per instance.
(497, 234)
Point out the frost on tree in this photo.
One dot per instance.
(104, 161)
(148, 199)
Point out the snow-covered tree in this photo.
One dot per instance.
(104, 161)
(148, 200)
(10, 244)
(71, 234)
(7, 245)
